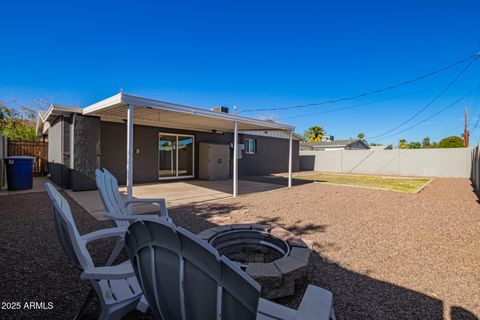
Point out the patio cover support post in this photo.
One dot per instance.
(290, 159)
(235, 159)
(130, 155)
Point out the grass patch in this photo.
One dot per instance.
(396, 184)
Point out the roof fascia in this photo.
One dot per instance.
(122, 98)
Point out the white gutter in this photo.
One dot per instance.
(98, 106)
(56, 108)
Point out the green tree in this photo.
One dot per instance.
(361, 135)
(414, 145)
(13, 127)
(314, 134)
(402, 144)
(451, 142)
(426, 142)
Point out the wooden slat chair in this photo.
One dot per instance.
(183, 277)
(117, 207)
(116, 286)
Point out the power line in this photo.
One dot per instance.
(478, 119)
(476, 123)
(447, 132)
(364, 94)
(431, 101)
(433, 115)
(309, 114)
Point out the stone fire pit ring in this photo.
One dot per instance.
(276, 258)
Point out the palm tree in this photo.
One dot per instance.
(314, 134)
(402, 144)
(361, 135)
(426, 143)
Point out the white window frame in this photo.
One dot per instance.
(247, 151)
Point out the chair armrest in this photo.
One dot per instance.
(160, 201)
(143, 305)
(104, 233)
(270, 310)
(136, 217)
(120, 271)
(316, 304)
(146, 200)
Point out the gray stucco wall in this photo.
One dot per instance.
(405, 162)
(113, 148)
(114, 151)
(271, 157)
(103, 144)
(145, 164)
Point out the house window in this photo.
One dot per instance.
(250, 146)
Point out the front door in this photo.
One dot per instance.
(176, 154)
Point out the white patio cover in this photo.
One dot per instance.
(144, 111)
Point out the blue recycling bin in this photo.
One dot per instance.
(19, 172)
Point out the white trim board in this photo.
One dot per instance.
(121, 100)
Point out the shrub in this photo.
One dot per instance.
(451, 142)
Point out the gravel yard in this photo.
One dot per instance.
(384, 255)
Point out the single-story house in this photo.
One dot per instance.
(142, 140)
(335, 145)
(382, 147)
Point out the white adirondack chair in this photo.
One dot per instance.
(116, 287)
(117, 207)
(183, 277)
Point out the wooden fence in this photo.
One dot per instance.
(37, 149)
(3, 153)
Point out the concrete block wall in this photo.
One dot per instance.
(455, 162)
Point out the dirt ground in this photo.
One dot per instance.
(383, 254)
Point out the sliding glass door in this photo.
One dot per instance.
(176, 154)
(185, 156)
(167, 155)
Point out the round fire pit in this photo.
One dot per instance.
(273, 256)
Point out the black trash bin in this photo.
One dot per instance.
(19, 172)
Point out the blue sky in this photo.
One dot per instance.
(252, 54)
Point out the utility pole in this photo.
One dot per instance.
(465, 130)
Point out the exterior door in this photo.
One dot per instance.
(176, 156)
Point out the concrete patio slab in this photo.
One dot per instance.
(176, 193)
